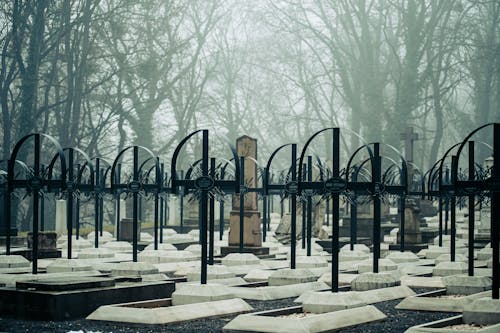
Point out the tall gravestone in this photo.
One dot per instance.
(252, 231)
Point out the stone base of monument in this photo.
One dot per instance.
(291, 276)
(454, 324)
(95, 253)
(133, 269)
(161, 311)
(466, 285)
(70, 298)
(450, 268)
(267, 293)
(198, 293)
(369, 281)
(295, 319)
(259, 251)
(483, 311)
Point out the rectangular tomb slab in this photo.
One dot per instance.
(297, 321)
(66, 284)
(72, 304)
(161, 311)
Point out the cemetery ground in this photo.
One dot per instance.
(246, 271)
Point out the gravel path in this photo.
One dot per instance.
(398, 321)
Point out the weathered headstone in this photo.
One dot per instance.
(61, 217)
(252, 233)
(126, 230)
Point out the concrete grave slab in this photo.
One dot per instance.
(435, 282)
(160, 256)
(482, 311)
(447, 257)
(452, 325)
(238, 259)
(402, 257)
(67, 265)
(172, 267)
(161, 246)
(13, 261)
(441, 303)
(256, 275)
(242, 270)
(450, 268)
(291, 276)
(357, 247)
(344, 278)
(199, 293)
(133, 268)
(214, 272)
(466, 285)
(369, 281)
(315, 323)
(319, 302)
(355, 255)
(118, 246)
(161, 312)
(384, 265)
(275, 264)
(95, 253)
(268, 293)
(310, 262)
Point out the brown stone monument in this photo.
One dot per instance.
(252, 231)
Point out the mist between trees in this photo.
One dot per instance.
(103, 74)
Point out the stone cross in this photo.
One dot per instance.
(409, 136)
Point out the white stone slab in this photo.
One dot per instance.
(67, 265)
(325, 322)
(13, 261)
(238, 259)
(291, 276)
(169, 315)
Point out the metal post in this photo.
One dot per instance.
(446, 202)
(96, 203)
(221, 209)
(471, 211)
(181, 205)
(211, 225)
(440, 207)
(135, 208)
(495, 212)
(36, 194)
(335, 212)
(101, 208)
(309, 207)
(156, 219)
(354, 213)
(264, 209)
(402, 207)
(69, 203)
(304, 208)
(293, 230)
(117, 203)
(204, 211)
(161, 218)
(376, 178)
(242, 201)
(327, 212)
